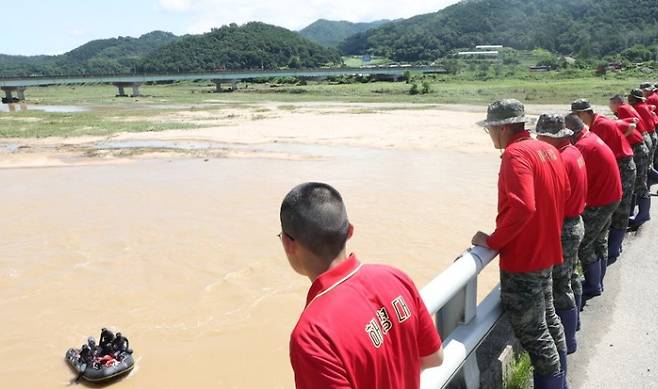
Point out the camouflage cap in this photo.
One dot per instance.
(647, 86)
(508, 111)
(552, 126)
(581, 105)
(637, 93)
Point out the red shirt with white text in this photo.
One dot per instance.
(364, 327)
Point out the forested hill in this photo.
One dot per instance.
(330, 33)
(577, 27)
(103, 56)
(251, 46)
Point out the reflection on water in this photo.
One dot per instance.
(183, 257)
(21, 107)
(9, 147)
(193, 145)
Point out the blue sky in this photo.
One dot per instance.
(57, 26)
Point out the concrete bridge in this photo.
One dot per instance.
(18, 86)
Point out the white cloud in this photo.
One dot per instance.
(176, 5)
(295, 14)
(77, 32)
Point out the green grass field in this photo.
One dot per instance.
(106, 113)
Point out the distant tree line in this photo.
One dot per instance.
(583, 28)
(251, 46)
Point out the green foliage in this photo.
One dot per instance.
(638, 53)
(330, 33)
(414, 89)
(104, 56)
(251, 46)
(426, 87)
(521, 373)
(585, 28)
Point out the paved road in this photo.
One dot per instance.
(618, 342)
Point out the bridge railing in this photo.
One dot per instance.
(462, 323)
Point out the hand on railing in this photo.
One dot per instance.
(480, 239)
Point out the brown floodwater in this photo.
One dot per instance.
(182, 256)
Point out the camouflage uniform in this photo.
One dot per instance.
(654, 146)
(628, 174)
(595, 242)
(565, 275)
(528, 300)
(641, 158)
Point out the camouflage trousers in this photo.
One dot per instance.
(623, 212)
(565, 275)
(528, 300)
(654, 146)
(641, 158)
(595, 242)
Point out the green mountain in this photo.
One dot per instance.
(103, 56)
(330, 33)
(572, 27)
(251, 46)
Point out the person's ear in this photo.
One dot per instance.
(288, 244)
(350, 231)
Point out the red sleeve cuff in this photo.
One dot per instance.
(493, 243)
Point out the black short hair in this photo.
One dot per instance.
(573, 122)
(619, 99)
(314, 215)
(518, 127)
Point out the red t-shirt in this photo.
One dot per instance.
(603, 176)
(626, 111)
(606, 129)
(653, 100)
(364, 327)
(635, 137)
(648, 117)
(577, 173)
(533, 189)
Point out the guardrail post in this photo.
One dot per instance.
(461, 309)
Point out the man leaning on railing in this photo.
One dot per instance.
(364, 326)
(532, 191)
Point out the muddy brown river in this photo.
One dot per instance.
(181, 255)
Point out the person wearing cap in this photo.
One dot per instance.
(650, 94)
(533, 189)
(607, 130)
(604, 192)
(638, 101)
(652, 101)
(550, 129)
(364, 326)
(638, 137)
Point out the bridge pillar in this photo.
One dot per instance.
(121, 87)
(135, 87)
(21, 93)
(218, 86)
(9, 94)
(234, 85)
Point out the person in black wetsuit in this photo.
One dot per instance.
(120, 344)
(107, 337)
(86, 355)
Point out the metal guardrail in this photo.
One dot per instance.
(462, 323)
